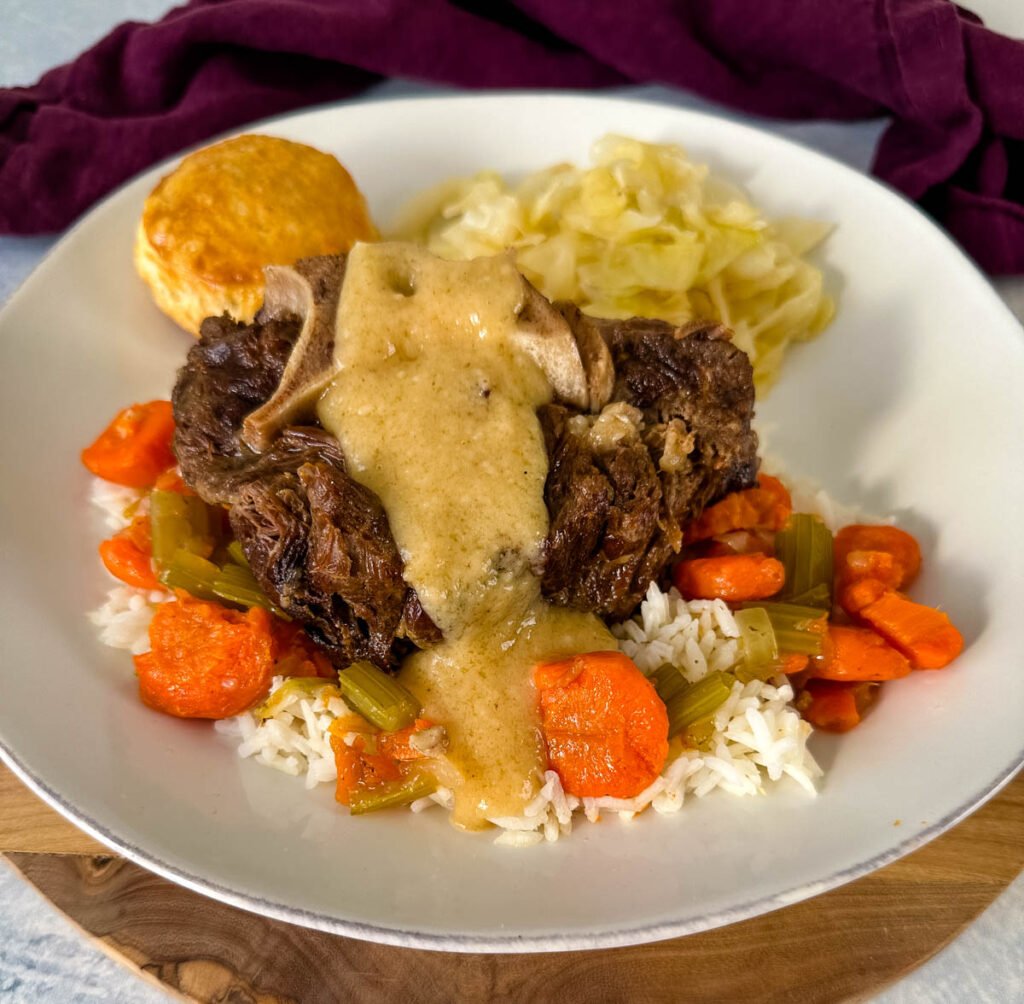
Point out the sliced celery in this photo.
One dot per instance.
(762, 672)
(758, 637)
(668, 681)
(699, 735)
(179, 523)
(236, 554)
(236, 584)
(391, 793)
(306, 687)
(698, 701)
(804, 546)
(797, 628)
(379, 698)
(820, 596)
(188, 571)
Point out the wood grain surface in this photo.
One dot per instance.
(28, 824)
(843, 946)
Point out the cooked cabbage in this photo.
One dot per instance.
(642, 232)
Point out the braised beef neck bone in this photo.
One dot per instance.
(577, 363)
(664, 431)
(621, 485)
(318, 542)
(312, 296)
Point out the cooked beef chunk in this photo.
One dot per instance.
(317, 541)
(320, 544)
(605, 501)
(619, 498)
(674, 437)
(230, 370)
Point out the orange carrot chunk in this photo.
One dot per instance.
(363, 764)
(857, 653)
(206, 661)
(398, 745)
(766, 507)
(605, 727)
(876, 552)
(297, 654)
(136, 447)
(833, 706)
(350, 769)
(856, 595)
(170, 481)
(126, 561)
(923, 634)
(794, 662)
(740, 542)
(734, 578)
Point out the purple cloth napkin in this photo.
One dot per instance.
(955, 90)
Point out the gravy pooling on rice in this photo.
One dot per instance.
(435, 406)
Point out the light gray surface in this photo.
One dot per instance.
(45, 958)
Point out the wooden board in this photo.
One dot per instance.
(28, 824)
(843, 946)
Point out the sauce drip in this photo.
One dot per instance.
(434, 405)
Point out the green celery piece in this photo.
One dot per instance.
(296, 686)
(762, 672)
(190, 572)
(698, 701)
(235, 584)
(178, 523)
(758, 637)
(169, 525)
(379, 698)
(804, 546)
(820, 597)
(391, 793)
(668, 681)
(698, 736)
(797, 628)
(236, 554)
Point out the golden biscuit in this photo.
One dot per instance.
(227, 210)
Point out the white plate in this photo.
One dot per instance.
(910, 404)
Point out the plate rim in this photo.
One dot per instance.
(511, 943)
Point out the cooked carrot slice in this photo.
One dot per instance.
(860, 551)
(766, 507)
(833, 706)
(794, 662)
(398, 745)
(206, 661)
(855, 596)
(605, 727)
(297, 653)
(359, 766)
(350, 769)
(740, 542)
(857, 653)
(170, 481)
(136, 447)
(126, 561)
(923, 634)
(734, 578)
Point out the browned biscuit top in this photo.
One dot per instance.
(231, 208)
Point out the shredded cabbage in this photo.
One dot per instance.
(645, 232)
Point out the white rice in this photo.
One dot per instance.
(117, 503)
(123, 618)
(759, 739)
(296, 739)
